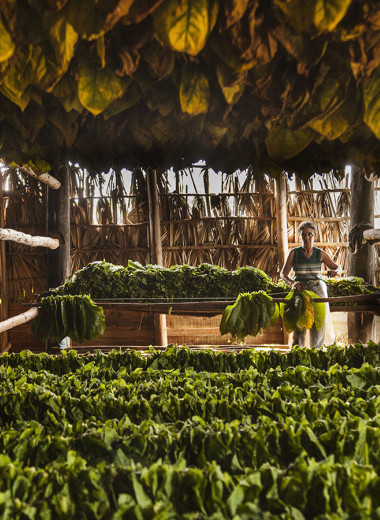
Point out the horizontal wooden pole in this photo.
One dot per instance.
(28, 240)
(51, 181)
(219, 306)
(20, 319)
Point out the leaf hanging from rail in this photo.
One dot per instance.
(194, 91)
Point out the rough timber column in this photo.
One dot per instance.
(4, 291)
(361, 325)
(155, 246)
(281, 219)
(282, 228)
(59, 261)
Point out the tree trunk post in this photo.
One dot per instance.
(361, 326)
(155, 247)
(282, 230)
(4, 290)
(59, 261)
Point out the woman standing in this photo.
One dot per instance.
(306, 262)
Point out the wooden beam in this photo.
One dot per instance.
(282, 229)
(361, 326)
(281, 219)
(59, 262)
(43, 177)
(155, 246)
(28, 240)
(4, 289)
(20, 319)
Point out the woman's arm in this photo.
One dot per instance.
(329, 262)
(284, 274)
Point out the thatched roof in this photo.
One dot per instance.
(275, 84)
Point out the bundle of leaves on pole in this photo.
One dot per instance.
(74, 316)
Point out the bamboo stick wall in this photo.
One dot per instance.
(234, 227)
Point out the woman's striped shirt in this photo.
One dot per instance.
(307, 268)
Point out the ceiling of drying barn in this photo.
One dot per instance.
(271, 84)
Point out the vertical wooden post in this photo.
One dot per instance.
(361, 326)
(59, 260)
(4, 291)
(282, 219)
(282, 229)
(155, 246)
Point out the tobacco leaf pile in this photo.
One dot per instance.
(193, 435)
(74, 316)
(102, 280)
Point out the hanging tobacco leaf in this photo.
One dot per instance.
(7, 46)
(194, 91)
(337, 122)
(97, 87)
(87, 17)
(232, 85)
(371, 98)
(63, 38)
(66, 91)
(183, 26)
(234, 10)
(283, 144)
(66, 122)
(328, 13)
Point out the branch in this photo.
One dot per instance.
(28, 240)
(43, 177)
(20, 319)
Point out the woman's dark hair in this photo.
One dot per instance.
(307, 224)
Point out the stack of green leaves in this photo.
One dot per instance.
(251, 313)
(191, 434)
(105, 280)
(74, 316)
(300, 311)
(349, 286)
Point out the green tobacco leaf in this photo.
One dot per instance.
(88, 18)
(232, 85)
(97, 87)
(7, 47)
(306, 319)
(335, 124)
(183, 26)
(194, 91)
(67, 122)
(371, 97)
(29, 68)
(298, 13)
(66, 91)
(319, 311)
(63, 37)
(283, 144)
(320, 15)
(129, 98)
(328, 13)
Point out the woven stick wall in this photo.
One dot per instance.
(234, 227)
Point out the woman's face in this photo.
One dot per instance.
(307, 236)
